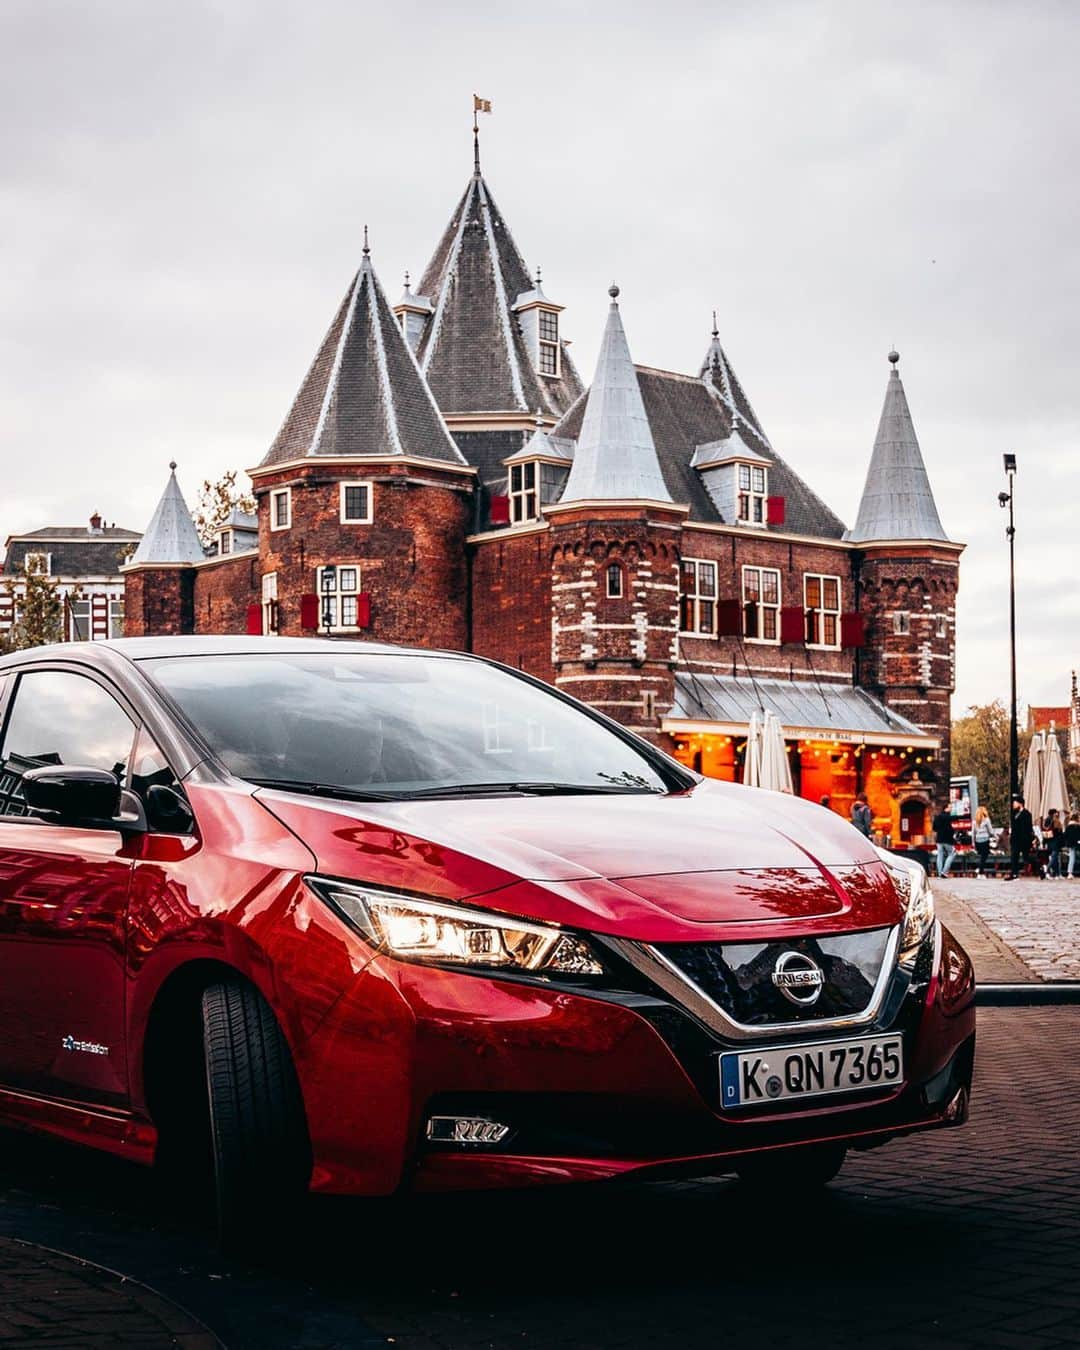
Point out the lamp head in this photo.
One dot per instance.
(1010, 463)
(1003, 499)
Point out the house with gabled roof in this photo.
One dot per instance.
(443, 478)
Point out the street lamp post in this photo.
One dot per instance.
(329, 585)
(1006, 499)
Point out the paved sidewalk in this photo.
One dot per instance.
(1013, 927)
(52, 1300)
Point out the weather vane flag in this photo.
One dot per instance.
(479, 105)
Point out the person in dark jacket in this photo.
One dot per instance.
(1070, 841)
(946, 841)
(1054, 839)
(861, 815)
(1021, 837)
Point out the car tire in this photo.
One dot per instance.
(259, 1138)
(797, 1169)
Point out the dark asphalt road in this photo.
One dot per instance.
(960, 1238)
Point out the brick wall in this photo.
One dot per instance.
(224, 589)
(411, 557)
(159, 601)
(511, 584)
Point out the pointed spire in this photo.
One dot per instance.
(897, 501)
(364, 394)
(615, 458)
(171, 536)
(722, 382)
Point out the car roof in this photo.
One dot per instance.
(150, 648)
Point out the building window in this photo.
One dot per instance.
(281, 509)
(753, 488)
(116, 616)
(549, 342)
(356, 504)
(270, 603)
(761, 603)
(37, 564)
(339, 597)
(697, 599)
(225, 543)
(524, 494)
(648, 705)
(614, 581)
(821, 601)
(901, 623)
(942, 626)
(78, 608)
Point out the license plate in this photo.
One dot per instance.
(781, 1073)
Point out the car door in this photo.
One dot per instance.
(63, 898)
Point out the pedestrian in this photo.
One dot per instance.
(984, 837)
(1021, 837)
(946, 841)
(1070, 841)
(861, 815)
(1053, 834)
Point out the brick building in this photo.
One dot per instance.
(84, 561)
(442, 478)
(1063, 721)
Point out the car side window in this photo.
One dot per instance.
(150, 768)
(58, 717)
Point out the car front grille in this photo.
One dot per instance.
(739, 977)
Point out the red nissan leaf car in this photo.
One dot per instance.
(358, 919)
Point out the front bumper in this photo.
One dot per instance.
(594, 1084)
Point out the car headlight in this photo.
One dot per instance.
(430, 931)
(913, 886)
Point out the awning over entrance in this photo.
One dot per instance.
(724, 704)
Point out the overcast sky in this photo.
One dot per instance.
(184, 187)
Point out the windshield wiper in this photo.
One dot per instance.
(545, 789)
(326, 790)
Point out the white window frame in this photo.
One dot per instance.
(545, 344)
(823, 611)
(699, 596)
(369, 515)
(269, 603)
(756, 501)
(225, 543)
(116, 613)
(901, 623)
(762, 606)
(81, 628)
(338, 595)
(275, 494)
(519, 510)
(612, 569)
(44, 569)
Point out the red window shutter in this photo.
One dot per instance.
(792, 625)
(309, 612)
(254, 620)
(775, 510)
(851, 630)
(728, 618)
(499, 510)
(363, 610)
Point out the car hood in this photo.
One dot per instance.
(651, 867)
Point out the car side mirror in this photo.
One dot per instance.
(72, 794)
(168, 811)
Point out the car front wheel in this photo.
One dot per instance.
(259, 1138)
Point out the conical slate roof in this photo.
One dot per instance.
(364, 394)
(897, 501)
(615, 458)
(171, 536)
(473, 351)
(722, 381)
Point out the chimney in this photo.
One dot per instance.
(95, 523)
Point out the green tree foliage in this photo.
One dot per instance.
(216, 503)
(980, 746)
(40, 611)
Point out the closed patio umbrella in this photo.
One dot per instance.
(775, 768)
(1033, 776)
(1055, 794)
(752, 760)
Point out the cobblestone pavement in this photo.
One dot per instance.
(1039, 921)
(50, 1300)
(960, 1238)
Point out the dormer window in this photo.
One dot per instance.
(225, 543)
(37, 565)
(548, 331)
(753, 490)
(524, 492)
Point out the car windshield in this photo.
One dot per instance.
(396, 725)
